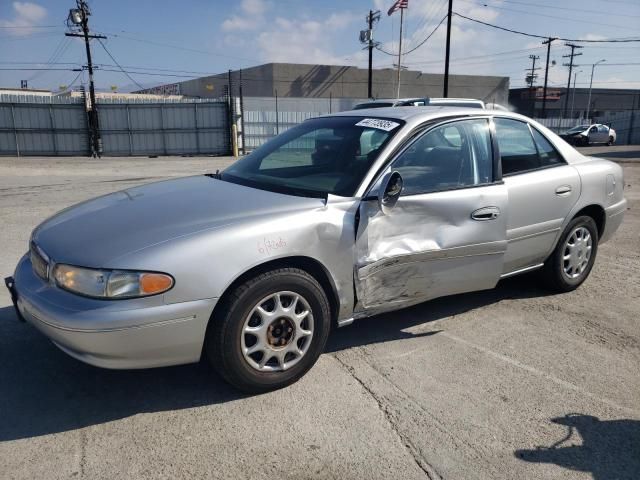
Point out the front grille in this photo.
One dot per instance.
(39, 261)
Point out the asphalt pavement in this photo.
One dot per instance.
(503, 384)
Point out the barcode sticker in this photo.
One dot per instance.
(386, 125)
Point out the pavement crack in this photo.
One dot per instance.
(83, 452)
(391, 419)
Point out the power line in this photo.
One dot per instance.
(72, 82)
(549, 16)
(488, 55)
(119, 66)
(30, 26)
(428, 36)
(57, 54)
(429, 15)
(417, 46)
(12, 38)
(625, 40)
(555, 7)
(37, 63)
(177, 47)
(36, 69)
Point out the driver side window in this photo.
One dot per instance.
(454, 155)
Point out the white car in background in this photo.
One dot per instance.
(590, 134)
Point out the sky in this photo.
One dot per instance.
(164, 41)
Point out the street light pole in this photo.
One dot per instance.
(591, 85)
(573, 96)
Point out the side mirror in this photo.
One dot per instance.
(390, 192)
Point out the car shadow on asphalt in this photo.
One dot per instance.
(628, 154)
(44, 391)
(606, 449)
(391, 326)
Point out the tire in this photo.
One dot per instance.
(261, 314)
(610, 142)
(564, 275)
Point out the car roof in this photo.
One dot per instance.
(420, 114)
(454, 99)
(392, 100)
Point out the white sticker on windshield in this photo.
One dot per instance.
(386, 125)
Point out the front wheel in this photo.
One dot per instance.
(269, 331)
(572, 260)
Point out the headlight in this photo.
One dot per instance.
(111, 283)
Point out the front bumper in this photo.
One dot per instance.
(137, 333)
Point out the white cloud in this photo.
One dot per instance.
(304, 41)
(26, 15)
(251, 17)
(296, 38)
(235, 23)
(254, 7)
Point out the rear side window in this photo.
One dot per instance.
(549, 156)
(518, 153)
(522, 148)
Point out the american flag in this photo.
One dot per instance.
(398, 5)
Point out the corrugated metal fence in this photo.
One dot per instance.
(58, 126)
(43, 128)
(164, 128)
(265, 117)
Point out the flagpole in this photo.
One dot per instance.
(400, 51)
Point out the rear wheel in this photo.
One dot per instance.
(570, 263)
(269, 331)
(610, 142)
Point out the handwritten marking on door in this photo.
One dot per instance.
(269, 245)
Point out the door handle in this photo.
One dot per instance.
(486, 213)
(563, 190)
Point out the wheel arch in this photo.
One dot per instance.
(596, 212)
(310, 265)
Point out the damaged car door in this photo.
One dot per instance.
(446, 233)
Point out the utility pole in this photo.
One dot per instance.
(530, 79)
(445, 88)
(366, 37)
(400, 51)
(570, 65)
(547, 42)
(80, 17)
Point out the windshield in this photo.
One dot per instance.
(578, 129)
(317, 157)
(362, 106)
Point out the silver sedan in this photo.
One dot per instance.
(339, 218)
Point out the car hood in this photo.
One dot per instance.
(98, 231)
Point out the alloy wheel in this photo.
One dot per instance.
(577, 253)
(277, 332)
